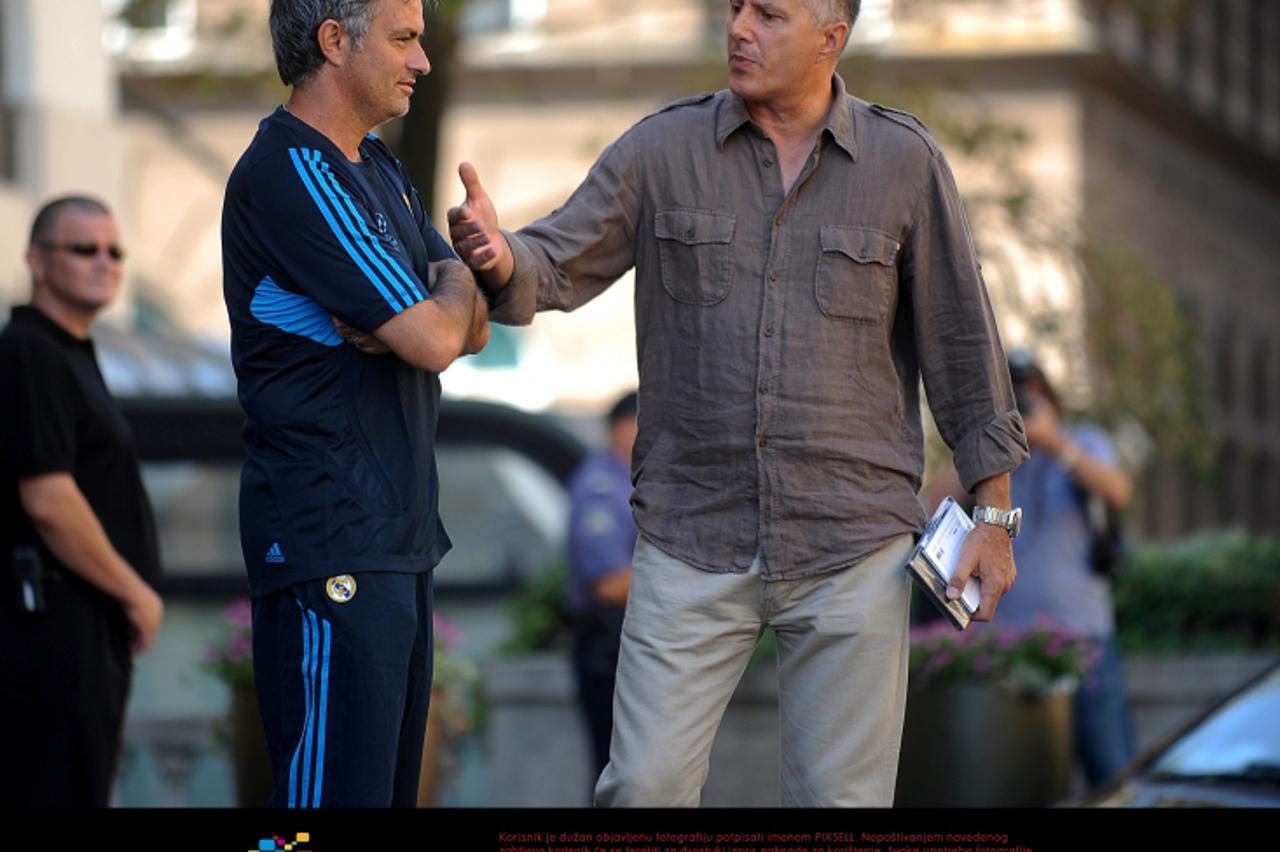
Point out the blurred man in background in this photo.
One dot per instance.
(1072, 477)
(602, 538)
(78, 534)
(1071, 488)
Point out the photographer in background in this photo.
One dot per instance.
(1066, 554)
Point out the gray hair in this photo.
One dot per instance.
(47, 218)
(829, 11)
(294, 24)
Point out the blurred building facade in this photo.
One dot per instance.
(1163, 118)
(59, 119)
(1182, 153)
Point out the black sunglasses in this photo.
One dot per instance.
(113, 251)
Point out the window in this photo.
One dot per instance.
(1260, 381)
(151, 30)
(8, 164)
(1264, 483)
(1225, 368)
(1228, 474)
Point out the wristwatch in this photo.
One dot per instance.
(1010, 520)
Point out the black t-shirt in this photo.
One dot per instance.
(56, 416)
(339, 474)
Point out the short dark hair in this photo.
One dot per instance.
(1025, 372)
(294, 24)
(46, 221)
(625, 407)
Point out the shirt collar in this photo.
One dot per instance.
(32, 317)
(840, 122)
(288, 119)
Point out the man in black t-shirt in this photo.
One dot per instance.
(339, 491)
(76, 531)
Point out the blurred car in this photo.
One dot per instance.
(1229, 757)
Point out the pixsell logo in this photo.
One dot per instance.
(301, 843)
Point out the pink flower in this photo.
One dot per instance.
(447, 633)
(240, 613)
(940, 660)
(239, 647)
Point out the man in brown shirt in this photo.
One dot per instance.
(802, 259)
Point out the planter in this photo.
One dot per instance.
(540, 755)
(251, 765)
(429, 775)
(250, 762)
(977, 745)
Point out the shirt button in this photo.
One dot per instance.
(760, 442)
(768, 331)
(764, 391)
(773, 276)
(768, 164)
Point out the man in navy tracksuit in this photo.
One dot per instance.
(324, 238)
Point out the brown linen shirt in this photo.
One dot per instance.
(781, 336)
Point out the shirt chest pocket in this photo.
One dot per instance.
(693, 251)
(857, 274)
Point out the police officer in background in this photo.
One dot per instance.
(75, 524)
(602, 537)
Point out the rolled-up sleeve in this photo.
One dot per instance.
(565, 260)
(962, 362)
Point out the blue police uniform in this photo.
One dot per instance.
(602, 539)
(338, 494)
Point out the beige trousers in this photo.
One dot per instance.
(842, 678)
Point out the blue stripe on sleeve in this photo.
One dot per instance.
(292, 312)
(332, 183)
(338, 232)
(354, 223)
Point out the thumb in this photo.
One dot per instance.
(471, 182)
(964, 567)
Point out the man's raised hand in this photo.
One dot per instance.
(473, 229)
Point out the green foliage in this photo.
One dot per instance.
(1218, 591)
(537, 615)
(456, 694)
(1146, 341)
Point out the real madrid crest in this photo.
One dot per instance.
(341, 588)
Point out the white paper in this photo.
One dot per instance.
(941, 546)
